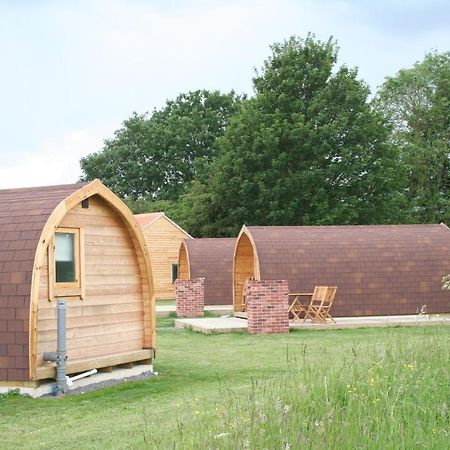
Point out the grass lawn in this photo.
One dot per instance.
(363, 388)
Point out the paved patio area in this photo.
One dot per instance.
(234, 324)
(165, 310)
(210, 325)
(375, 321)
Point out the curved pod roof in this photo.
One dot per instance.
(28, 220)
(211, 258)
(379, 269)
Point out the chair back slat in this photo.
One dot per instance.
(331, 292)
(319, 293)
(323, 295)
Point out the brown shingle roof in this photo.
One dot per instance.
(379, 269)
(146, 219)
(23, 214)
(212, 258)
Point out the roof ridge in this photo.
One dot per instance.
(149, 213)
(352, 225)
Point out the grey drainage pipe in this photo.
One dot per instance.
(60, 356)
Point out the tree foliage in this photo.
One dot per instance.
(307, 149)
(417, 103)
(154, 157)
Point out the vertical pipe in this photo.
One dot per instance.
(61, 364)
(60, 356)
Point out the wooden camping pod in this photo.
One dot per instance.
(110, 304)
(212, 259)
(378, 269)
(163, 238)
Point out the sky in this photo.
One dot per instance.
(73, 71)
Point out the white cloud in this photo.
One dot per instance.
(56, 161)
(69, 67)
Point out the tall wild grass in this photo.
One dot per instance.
(392, 396)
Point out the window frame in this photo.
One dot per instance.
(67, 289)
(174, 279)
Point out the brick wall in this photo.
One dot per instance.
(190, 297)
(267, 306)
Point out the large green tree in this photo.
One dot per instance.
(308, 148)
(417, 103)
(153, 157)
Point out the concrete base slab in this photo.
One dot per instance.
(166, 310)
(373, 321)
(210, 325)
(213, 325)
(92, 382)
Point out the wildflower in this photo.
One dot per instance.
(220, 435)
(286, 446)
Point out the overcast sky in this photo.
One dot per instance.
(72, 71)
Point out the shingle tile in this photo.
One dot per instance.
(212, 259)
(387, 269)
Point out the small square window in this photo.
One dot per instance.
(65, 263)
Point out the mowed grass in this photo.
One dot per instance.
(363, 388)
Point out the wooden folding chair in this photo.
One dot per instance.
(318, 309)
(321, 301)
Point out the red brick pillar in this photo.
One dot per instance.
(190, 297)
(267, 306)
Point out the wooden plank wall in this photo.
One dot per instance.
(110, 319)
(243, 269)
(163, 241)
(183, 264)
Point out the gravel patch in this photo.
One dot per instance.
(105, 384)
(109, 383)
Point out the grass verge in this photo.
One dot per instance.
(364, 388)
